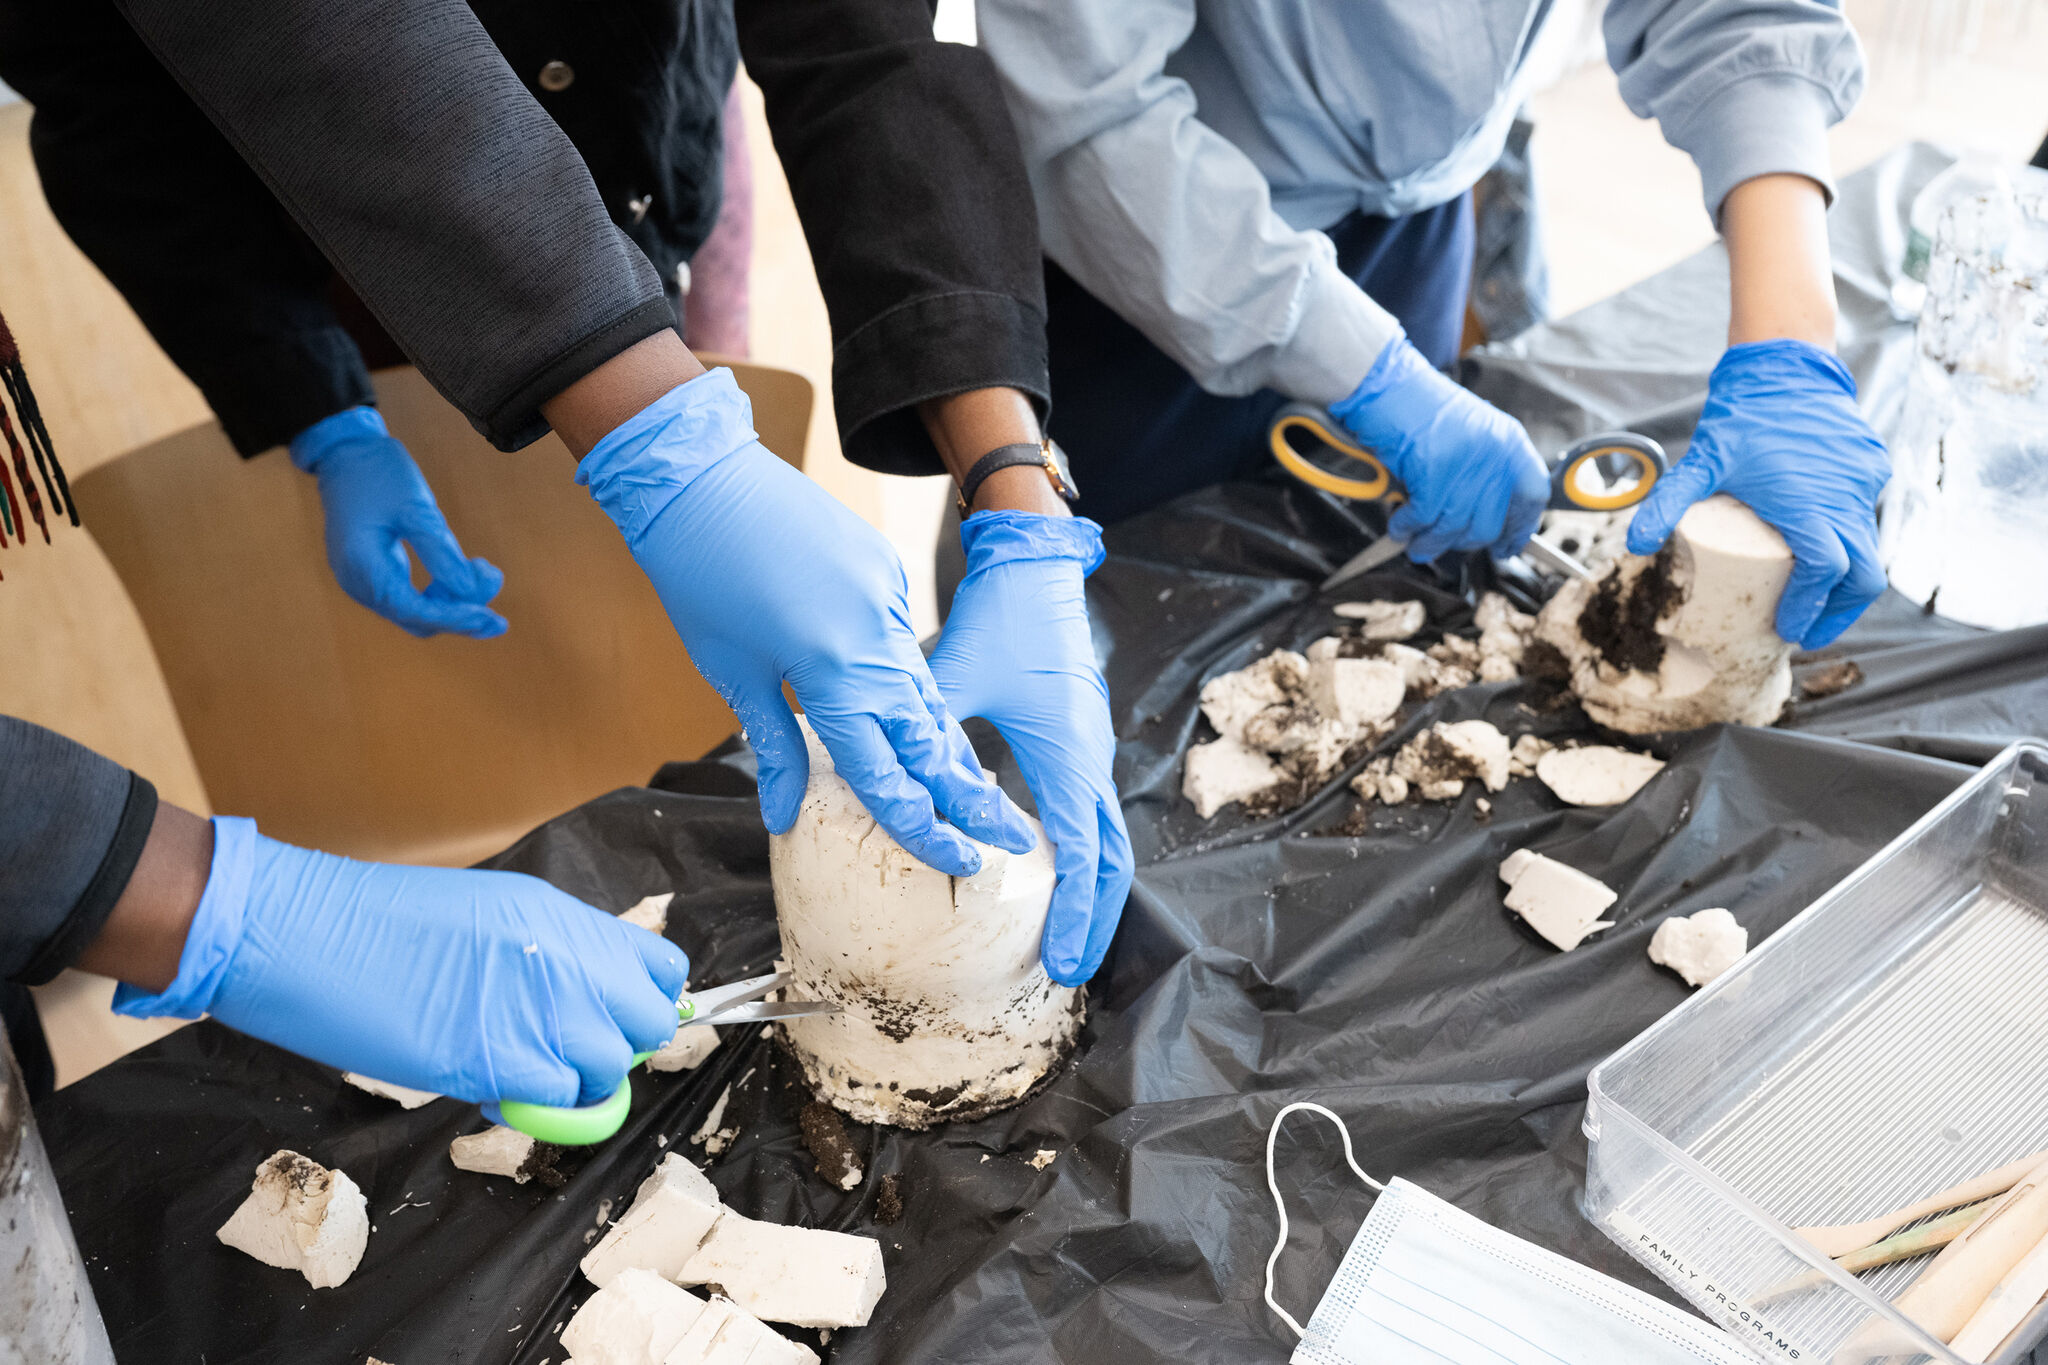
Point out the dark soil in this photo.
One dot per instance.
(825, 1135)
(889, 1199)
(1545, 661)
(1826, 682)
(1623, 628)
(543, 1164)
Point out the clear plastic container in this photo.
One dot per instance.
(47, 1312)
(1890, 1041)
(1965, 525)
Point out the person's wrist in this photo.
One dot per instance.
(318, 442)
(966, 426)
(648, 462)
(215, 927)
(1009, 535)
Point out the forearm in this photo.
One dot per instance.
(967, 426)
(395, 134)
(144, 937)
(1781, 282)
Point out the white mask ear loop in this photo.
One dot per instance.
(1280, 1244)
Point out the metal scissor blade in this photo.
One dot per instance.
(1365, 561)
(1550, 557)
(740, 1002)
(754, 1011)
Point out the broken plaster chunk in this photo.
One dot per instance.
(1223, 772)
(1385, 620)
(635, 1319)
(650, 912)
(1044, 1157)
(1328, 647)
(407, 1097)
(1561, 903)
(494, 1151)
(725, 1334)
(1437, 761)
(1527, 752)
(671, 1215)
(1418, 670)
(687, 1050)
(1379, 782)
(1596, 774)
(301, 1216)
(1233, 700)
(1699, 947)
(1356, 693)
(712, 1138)
(642, 1319)
(807, 1277)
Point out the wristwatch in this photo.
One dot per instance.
(1045, 453)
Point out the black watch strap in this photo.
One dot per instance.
(1042, 453)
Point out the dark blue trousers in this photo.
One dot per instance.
(1139, 431)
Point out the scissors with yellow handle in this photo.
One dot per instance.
(1601, 473)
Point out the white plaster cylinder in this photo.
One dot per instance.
(945, 1011)
(1707, 606)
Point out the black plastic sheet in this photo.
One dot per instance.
(1259, 962)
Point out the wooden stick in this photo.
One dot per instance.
(1898, 1247)
(1951, 1290)
(1840, 1241)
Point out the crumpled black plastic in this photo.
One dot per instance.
(1259, 962)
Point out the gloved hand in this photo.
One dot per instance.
(377, 502)
(1474, 481)
(1781, 433)
(768, 578)
(480, 985)
(1017, 652)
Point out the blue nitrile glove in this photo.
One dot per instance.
(1781, 433)
(770, 579)
(480, 985)
(1017, 653)
(1474, 481)
(377, 502)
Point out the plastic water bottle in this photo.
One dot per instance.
(1967, 178)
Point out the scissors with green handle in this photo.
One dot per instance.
(738, 1003)
(1602, 473)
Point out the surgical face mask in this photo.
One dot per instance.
(1425, 1282)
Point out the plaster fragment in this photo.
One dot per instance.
(1561, 903)
(1044, 1158)
(807, 1277)
(1232, 700)
(1385, 620)
(672, 1214)
(650, 912)
(1596, 774)
(1356, 693)
(1699, 947)
(1225, 771)
(1527, 752)
(407, 1097)
(301, 1216)
(494, 1151)
(687, 1050)
(708, 1131)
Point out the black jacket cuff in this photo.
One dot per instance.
(266, 394)
(516, 422)
(928, 348)
(89, 914)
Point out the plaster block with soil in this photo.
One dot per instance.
(945, 1012)
(1686, 637)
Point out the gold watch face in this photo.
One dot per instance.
(1057, 469)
